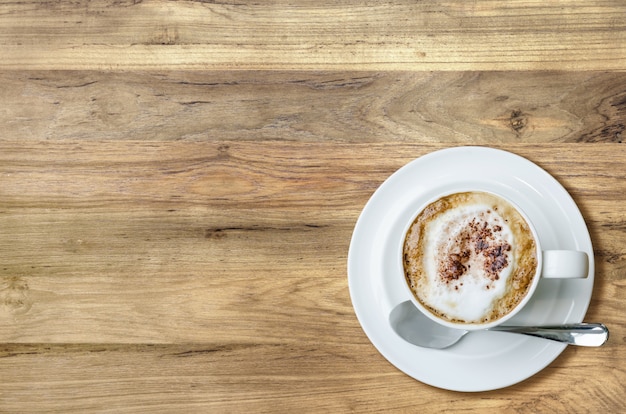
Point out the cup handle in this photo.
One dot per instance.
(564, 264)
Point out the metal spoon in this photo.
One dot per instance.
(410, 324)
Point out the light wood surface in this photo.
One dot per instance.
(314, 35)
(179, 182)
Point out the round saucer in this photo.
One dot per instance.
(483, 360)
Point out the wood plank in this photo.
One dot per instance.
(378, 35)
(172, 242)
(269, 378)
(451, 107)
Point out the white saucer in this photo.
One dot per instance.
(482, 360)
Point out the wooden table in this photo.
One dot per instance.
(179, 182)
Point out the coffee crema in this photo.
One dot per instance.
(470, 257)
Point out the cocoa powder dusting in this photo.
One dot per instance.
(480, 239)
(455, 264)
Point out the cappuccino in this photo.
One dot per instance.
(470, 257)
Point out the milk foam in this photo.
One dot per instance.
(472, 295)
(470, 257)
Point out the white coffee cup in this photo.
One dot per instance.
(550, 264)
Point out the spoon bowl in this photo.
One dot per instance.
(414, 327)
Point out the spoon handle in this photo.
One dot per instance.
(582, 334)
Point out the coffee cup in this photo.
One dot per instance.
(472, 260)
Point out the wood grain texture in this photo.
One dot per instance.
(350, 377)
(179, 182)
(313, 35)
(452, 107)
(211, 275)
